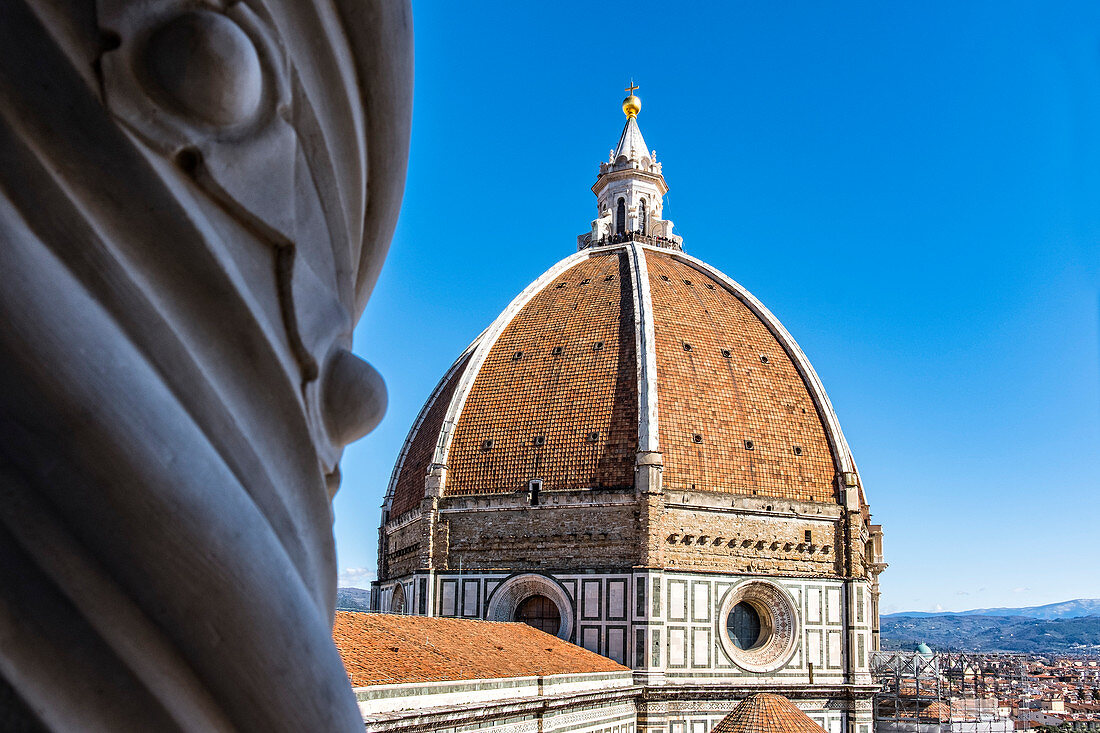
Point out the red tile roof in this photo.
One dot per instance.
(409, 487)
(723, 376)
(767, 713)
(545, 378)
(556, 397)
(936, 711)
(380, 649)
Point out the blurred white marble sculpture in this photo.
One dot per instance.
(195, 201)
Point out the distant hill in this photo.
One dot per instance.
(1066, 609)
(980, 632)
(352, 599)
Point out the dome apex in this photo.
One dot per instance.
(631, 105)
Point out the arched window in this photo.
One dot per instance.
(540, 612)
(642, 217)
(397, 603)
(620, 217)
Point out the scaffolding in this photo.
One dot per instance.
(940, 692)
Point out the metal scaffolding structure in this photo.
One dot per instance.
(939, 692)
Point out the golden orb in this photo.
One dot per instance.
(632, 106)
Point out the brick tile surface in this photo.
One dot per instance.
(557, 394)
(409, 489)
(380, 649)
(723, 379)
(767, 713)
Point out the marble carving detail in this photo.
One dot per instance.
(196, 197)
(778, 626)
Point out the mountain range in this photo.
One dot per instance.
(352, 599)
(980, 633)
(1078, 608)
(1067, 627)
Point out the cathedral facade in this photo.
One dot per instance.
(637, 457)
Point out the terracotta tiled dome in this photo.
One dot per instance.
(555, 390)
(766, 713)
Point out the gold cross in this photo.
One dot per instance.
(630, 89)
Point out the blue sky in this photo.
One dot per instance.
(913, 189)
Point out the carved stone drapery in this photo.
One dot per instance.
(195, 201)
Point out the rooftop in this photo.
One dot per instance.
(383, 649)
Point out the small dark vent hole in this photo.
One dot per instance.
(687, 346)
(797, 450)
(556, 351)
(687, 282)
(749, 445)
(763, 359)
(586, 281)
(768, 508)
(809, 536)
(517, 356)
(593, 436)
(598, 346)
(696, 438)
(561, 285)
(109, 40)
(727, 353)
(709, 286)
(609, 278)
(665, 278)
(539, 440)
(487, 444)
(189, 160)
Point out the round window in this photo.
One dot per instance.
(743, 625)
(761, 626)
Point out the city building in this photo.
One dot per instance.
(637, 457)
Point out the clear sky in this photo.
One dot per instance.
(913, 189)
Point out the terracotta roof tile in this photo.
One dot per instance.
(734, 413)
(380, 649)
(938, 710)
(766, 713)
(409, 488)
(557, 393)
(556, 397)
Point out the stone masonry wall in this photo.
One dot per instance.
(737, 542)
(575, 536)
(401, 548)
